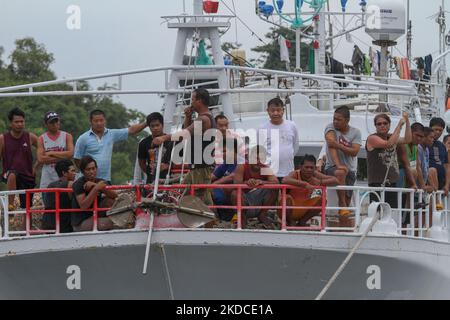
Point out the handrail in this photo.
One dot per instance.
(212, 91)
(188, 68)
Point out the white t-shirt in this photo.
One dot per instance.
(281, 152)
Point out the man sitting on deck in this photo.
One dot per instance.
(85, 190)
(307, 178)
(256, 174)
(224, 174)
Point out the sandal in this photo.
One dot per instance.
(344, 212)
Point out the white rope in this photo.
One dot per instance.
(348, 258)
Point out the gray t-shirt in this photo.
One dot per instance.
(353, 136)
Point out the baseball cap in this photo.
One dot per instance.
(51, 115)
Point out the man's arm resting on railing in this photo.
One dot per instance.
(112, 194)
(293, 181)
(86, 202)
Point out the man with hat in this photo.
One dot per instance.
(53, 145)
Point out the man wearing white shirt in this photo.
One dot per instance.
(280, 138)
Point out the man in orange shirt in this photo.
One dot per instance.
(307, 178)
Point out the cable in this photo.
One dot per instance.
(243, 22)
(235, 22)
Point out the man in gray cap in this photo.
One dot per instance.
(53, 145)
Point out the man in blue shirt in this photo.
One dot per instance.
(439, 155)
(99, 141)
(224, 174)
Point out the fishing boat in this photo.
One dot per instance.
(170, 256)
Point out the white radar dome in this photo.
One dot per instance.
(386, 19)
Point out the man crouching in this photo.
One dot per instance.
(256, 174)
(85, 190)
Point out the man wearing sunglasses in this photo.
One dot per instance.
(382, 162)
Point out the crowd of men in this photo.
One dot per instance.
(415, 160)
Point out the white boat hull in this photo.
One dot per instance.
(222, 264)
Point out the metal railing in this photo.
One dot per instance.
(420, 219)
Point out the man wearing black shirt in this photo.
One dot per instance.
(85, 190)
(66, 173)
(148, 153)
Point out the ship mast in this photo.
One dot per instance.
(192, 28)
(409, 33)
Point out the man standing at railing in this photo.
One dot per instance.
(196, 132)
(280, 138)
(439, 156)
(99, 141)
(148, 153)
(52, 146)
(15, 152)
(343, 145)
(224, 133)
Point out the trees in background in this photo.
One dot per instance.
(30, 62)
(270, 52)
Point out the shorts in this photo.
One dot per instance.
(350, 179)
(21, 184)
(255, 197)
(299, 213)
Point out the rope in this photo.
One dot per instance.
(348, 258)
(243, 22)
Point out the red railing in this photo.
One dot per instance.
(137, 188)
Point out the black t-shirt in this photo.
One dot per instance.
(48, 220)
(150, 155)
(78, 188)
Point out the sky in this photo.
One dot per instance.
(118, 35)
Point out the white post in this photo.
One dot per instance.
(227, 102)
(4, 204)
(320, 58)
(297, 50)
(198, 7)
(171, 99)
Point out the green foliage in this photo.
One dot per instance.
(30, 63)
(270, 53)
